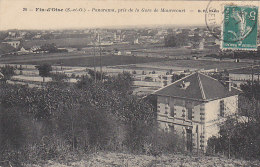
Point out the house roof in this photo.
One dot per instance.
(197, 86)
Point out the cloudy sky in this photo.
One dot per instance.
(14, 16)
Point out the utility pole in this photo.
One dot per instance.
(252, 81)
(100, 56)
(257, 74)
(95, 72)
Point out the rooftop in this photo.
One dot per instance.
(197, 86)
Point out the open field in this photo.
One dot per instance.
(130, 160)
(172, 52)
(196, 64)
(89, 60)
(39, 57)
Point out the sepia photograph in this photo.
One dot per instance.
(119, 83)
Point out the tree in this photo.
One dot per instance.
(59, 77)
(170, 41)
(44, 70)
(176, 77)
(49, 47)
(3, 35)
(95, 75)
(239, 133)
(223, 77)
(122, 83)
(7, 71)
(251, 89)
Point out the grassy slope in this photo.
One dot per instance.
(127, 160)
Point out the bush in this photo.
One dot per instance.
(150, 79)
(59, 77)
(159, 142)
(8, 71)
(51, 123)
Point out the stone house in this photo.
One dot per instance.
(194, 108)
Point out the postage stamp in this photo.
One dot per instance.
(239, 28)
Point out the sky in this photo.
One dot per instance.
(14, 16)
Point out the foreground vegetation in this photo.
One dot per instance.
(113, 159)
(66, 122)
(61, 119)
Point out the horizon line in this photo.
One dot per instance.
(108, 27)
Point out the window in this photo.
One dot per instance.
(166, 109)
(171, 128)
(183, 113)
(221, 108)
(172, 111)
(189, 113)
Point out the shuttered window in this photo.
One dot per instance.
(221, 108)
(172, 111)
(189, 113)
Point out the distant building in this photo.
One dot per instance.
(1, 75)
(23, 51)
(117, 37)
(14, 44)
(242, 75)
(194, 107)
(118, 53)
(136, 41)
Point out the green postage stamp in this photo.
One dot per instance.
(239, 31)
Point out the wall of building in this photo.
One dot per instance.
(173, 118)
(242, 77)
(213, 119)
(205, 117)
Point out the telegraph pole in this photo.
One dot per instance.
(94, 44)
(252, 81)
(257, 74)
(100, 56)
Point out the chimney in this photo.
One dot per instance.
(229, 86)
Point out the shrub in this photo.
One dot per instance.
(8, 71)
(159, 142)
(150, 79)
(59, 77)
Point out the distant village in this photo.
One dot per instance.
(195, 43)
(25, 42)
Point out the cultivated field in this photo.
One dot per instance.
(130, 160)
